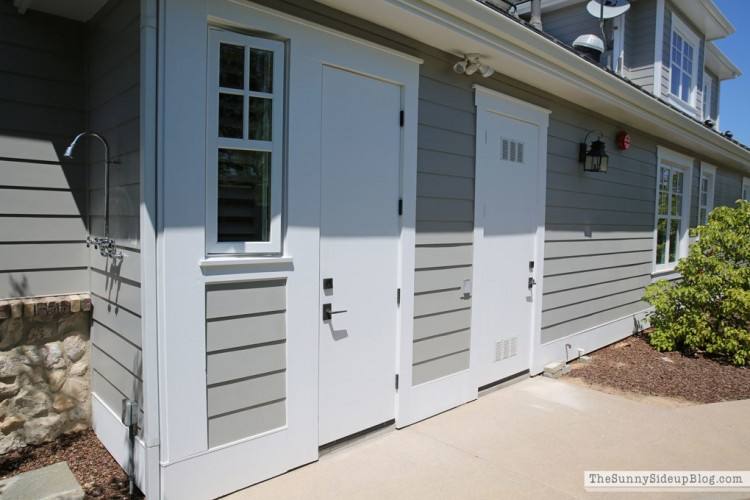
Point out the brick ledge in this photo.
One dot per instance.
(42, 307)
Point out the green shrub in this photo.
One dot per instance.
(709, 308)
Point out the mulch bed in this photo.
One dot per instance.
(632, 365)
(94, 468)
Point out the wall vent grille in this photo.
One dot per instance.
(506, 348)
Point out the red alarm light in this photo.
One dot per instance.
(623, 140)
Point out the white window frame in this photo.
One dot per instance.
(675, 161)
(708, 173)
(214, 142)
(688, 35)
(707, 93)
(745, 195)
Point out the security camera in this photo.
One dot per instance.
(472, 68)
(486, 71)
(460, 67)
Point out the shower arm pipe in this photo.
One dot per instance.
(69, 154)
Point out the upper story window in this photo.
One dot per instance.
(244, 140)
(706, 192)
(685, 45)
(672, 208)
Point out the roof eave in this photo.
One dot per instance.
(530, 57)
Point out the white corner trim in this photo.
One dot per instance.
(659, 47)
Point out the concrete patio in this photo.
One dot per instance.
(532, 439)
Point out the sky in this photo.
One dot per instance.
(734, 112)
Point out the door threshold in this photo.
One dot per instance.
(357, 437)
(503, 382)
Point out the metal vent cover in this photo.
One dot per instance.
(506, 348)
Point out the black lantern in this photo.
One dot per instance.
(594, 157)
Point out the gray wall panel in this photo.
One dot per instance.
(244, 331)
(245, 359)
(436, 368)
(245, 393)
(234, 299)
(234, 426)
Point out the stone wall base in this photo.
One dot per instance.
(44, 369)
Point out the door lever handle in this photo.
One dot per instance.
(328, 312)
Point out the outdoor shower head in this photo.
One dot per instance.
(69, 150)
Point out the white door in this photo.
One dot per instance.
(361, 141)
(507, 209)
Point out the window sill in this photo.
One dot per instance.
(241, 262)
(664, 273)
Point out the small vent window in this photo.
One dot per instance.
(512, 151)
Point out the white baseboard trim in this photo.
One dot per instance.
(114, 435)
(232, 467)
(589, 340)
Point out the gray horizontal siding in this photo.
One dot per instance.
(245, 359)
(728, 187)
(599, 237)
(113, 102)
(640, 38)
(42, 197)
(570, 22)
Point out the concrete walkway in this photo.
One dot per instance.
(533, 439)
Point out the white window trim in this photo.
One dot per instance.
(707, 171)
(684, 163)
(745, 194)
(214, 143)
(692, 38)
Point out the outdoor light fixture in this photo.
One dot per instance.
(470, 64)
(594, 156)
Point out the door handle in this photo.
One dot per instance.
(532, 282)
(328, 312)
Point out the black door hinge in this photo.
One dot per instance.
(397, 381)
(398, 296)
(401, 118)
(400, 206)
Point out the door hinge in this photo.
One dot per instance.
(401, 206)
(401, 118)
(397, 381)
(398, 296)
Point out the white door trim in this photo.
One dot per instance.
(496, 102)
(185, 456)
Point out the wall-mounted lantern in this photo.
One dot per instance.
(594, 156)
